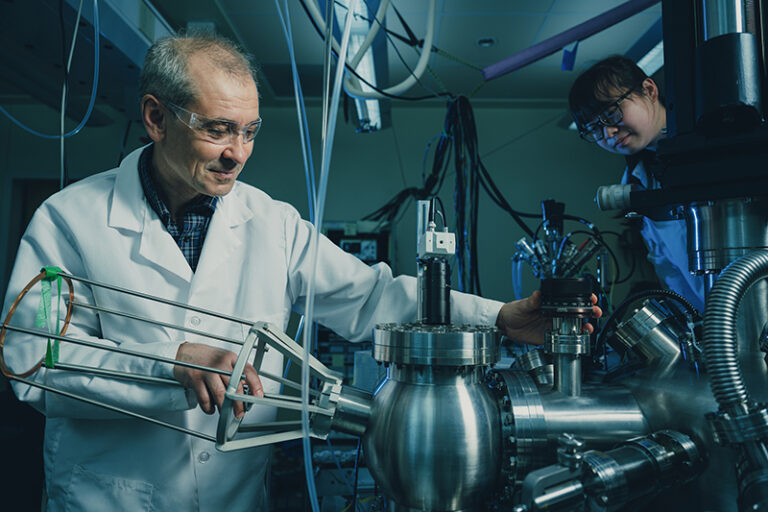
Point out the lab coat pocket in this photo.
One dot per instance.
(97, 491)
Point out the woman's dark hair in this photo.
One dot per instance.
(595, 89)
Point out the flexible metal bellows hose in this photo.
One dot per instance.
(721, 352)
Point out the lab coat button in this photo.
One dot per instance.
(203, 457)
(195, 321)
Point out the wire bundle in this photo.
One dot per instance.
(458, 143)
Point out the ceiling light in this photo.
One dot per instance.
(486, 42)
(368, 110)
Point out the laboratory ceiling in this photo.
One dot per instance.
(470, 35)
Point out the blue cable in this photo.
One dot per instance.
(306, 147)
(94, 88)
(343, 474)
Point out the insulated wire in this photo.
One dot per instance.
(356, 74)
(330, 125)
(94, 88)
(352, 490)
(327, 65)
(63, 175)
(301, 111)
(411, 79)
(418, 51)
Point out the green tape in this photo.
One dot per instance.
(51, 272)
(42, 319)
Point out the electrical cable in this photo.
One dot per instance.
(124, 142)
(328, 136)
(355, 73)
(633, 259)
(600, 240)
(357, 469)
(619, 311)
(412, 78)
(522, 135)
(63, 175)
(94, 87)
(352, 490)
(517, 278)
(399, 157)
(412, 41)
(458, 142)
(301, 112)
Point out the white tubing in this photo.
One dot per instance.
(350, 84)
(411, 79)
(368, 41)
(330, 126)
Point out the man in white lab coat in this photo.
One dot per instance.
(173, 221)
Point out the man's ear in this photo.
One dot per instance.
(153, 115)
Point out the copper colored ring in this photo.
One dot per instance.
(3, 368)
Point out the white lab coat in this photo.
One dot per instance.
(667, 250)
(255, 264)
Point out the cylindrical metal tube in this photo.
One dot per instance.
(567, 344)
(728, 95)
(721, 17)
(654, 333)
(436, 292)
(640, 467)
(721, 231)
(568, 374)
(353, 410)
(566, 496)
(600, 416)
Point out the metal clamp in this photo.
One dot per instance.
(729, 430)
(575, 344)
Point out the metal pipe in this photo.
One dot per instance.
(601, 416)
(556, 43)
(116, 409)
(567, 349)
(353, 411)
(568, 374)
(723, 17)
(156, 322)
(110, 348)
(157, 299)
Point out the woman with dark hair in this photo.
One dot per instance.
(619, 108)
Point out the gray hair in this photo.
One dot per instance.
(164, 74)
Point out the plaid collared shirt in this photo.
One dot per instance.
(189, 236)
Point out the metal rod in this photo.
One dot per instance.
(289, 348)
(275, 425)
(109, 348)
(157, 299)
(568, 374)
(116, 409)
(115, 373)
(285, 382)
(277, 401)
(294, 351)
(156, 322)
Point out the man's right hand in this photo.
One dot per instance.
(210, 387)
